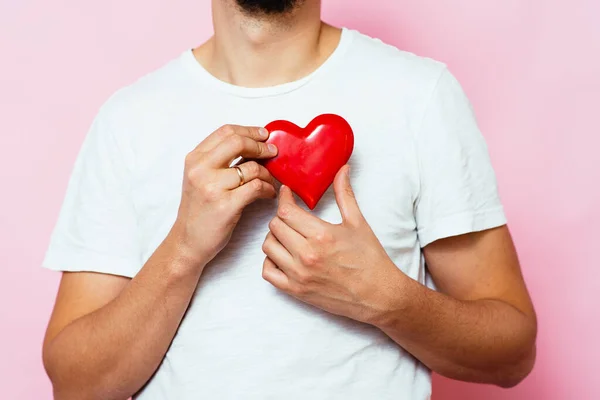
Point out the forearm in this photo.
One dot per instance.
(112, 352)
(487, 341)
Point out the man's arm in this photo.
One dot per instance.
(481, 325)
(108, 334)
(480, 328)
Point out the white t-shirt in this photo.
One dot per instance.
(420, 170)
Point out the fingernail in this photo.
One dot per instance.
(272, 148)
(263, 132)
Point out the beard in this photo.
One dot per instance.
(267, 7)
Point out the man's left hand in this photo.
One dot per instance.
(340, 268)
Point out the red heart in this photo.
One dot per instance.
(309, 158)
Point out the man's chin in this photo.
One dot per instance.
(268, 7)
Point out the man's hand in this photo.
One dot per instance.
(127, 325)
(481, 327)
(338, 268)
(212, 199)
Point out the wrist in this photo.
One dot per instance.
(393, 299)
(184, 258)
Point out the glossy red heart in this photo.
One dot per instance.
(309, 158)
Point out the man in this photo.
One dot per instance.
(184, 279)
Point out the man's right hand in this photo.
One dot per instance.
(126, 325)
(212, 199)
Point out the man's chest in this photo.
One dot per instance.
(384, 175)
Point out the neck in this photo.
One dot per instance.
(259, 51)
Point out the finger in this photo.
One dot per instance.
(230, 178)
(274, 250)
(238, 145)
(252, 191)
(274, 275)
(226, 131)
(294, 242)
(345, 198)
(297, 218)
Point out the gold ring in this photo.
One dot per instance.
(241, 175)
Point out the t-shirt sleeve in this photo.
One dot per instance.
(96, 229)
(458, 192)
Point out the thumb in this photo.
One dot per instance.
(285, 195)
(344, 196)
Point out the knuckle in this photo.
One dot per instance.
(300, 289)
(190, 175)
(309, 258)
(237, 142)
(323, 237)
(284, 211)
(193, 176)
(265, 245)
(304, 278)
(260, 149)
(360, 223)
(255, 133)
(349, 191)
(189, 160)
(226, 130)
(273, 224)
(253, 168)
(256, 185)
(210, 191)
(194, 161)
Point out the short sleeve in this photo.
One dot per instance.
(458, 192)
(97, 229)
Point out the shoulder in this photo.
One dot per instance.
(400, 82)
(392, 66)
(149, 95)
(134, 116)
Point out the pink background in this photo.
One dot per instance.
(531, 69)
